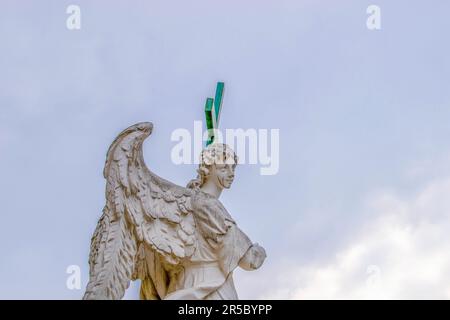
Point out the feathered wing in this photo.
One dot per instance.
(143, 213)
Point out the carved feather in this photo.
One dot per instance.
(141, 208)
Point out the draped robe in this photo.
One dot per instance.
(208, 274)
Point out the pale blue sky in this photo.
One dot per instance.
(363, 116)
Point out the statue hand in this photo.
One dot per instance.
(259, 255)
(253, 258)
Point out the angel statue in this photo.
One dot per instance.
(180, 242)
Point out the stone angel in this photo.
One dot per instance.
(180, 242)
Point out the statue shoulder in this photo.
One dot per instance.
(207, 207)
(202, 202)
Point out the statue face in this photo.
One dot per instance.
(222, 175)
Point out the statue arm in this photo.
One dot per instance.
(236, 249)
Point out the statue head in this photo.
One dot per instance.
(217, 163)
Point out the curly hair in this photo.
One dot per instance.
(215, 153)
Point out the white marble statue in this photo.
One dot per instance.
(180, 242)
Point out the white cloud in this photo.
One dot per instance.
(403, 253)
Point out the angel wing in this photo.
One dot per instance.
(142, 210)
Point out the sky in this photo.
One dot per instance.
(360, 206)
